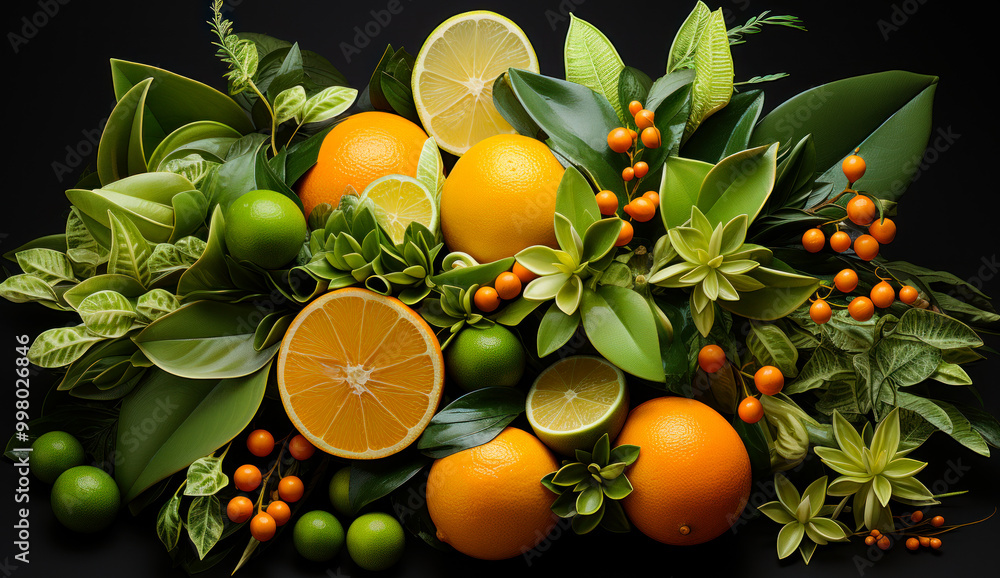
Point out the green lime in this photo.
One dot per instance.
(265, 228)
(85, 499)
(339, 487)
(53, 453)
(484, 357)
(375, 541)
(318, 536)
(576, 401)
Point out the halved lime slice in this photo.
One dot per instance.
(576, 401)
(454, 72)
(399, 200)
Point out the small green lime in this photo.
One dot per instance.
(85, 499)
(339, 488)
(318, 536)
(485, 357)
(53, 453)
(265, 228)
(375, 541)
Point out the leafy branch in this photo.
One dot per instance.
(756, 23)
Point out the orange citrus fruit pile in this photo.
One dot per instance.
(360, 374)
(692, 478)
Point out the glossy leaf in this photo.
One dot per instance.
(555, 330)
(771, 346)
(466, 277)
(374, 479)
(47, 265)
(620, 325)
(782, 293)
(168, 522)
(591, 60)
(679, 189)
(61, 346)
(576, 201)
(107, 314)
(728, 131)
(686, 40)
(471, 420)
(328, 103)
(739, 185)
(713, 65)
(129, 250)
(113, 152)
(25, 289)
(204, 523)
(188, 135)
(130, 287)
(205, 477)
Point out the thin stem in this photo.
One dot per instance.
(832, 200)
(270, 111)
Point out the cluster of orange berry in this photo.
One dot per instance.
(248, 478)
(768, 380)
(877, 538)
(506, 286)
(861, 308)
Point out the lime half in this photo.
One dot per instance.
(576, 401)
(454, 72)
(399, 200)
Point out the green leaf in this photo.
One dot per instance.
(155, 304)
(951, 374)
(374, 479)
(511, 110)
(107, 314)
(936, 329)
(129, 250)
(890, 116)
(633, 84)
(556, 329)
(728, 131)
(289, 104)
(465, 277)
(576, 201)
(739, 185)
(571, 474)
(205, 477)
(26, 288)
(116, 154)
(168, 522)
(771, 346)
(826, 365)
(776, 511)
(962, 430)
(620, 325)
(210, 273)
(591, 60)
(679, 189)
(782, 293)
(206, 340)
(789, 538)
(168, 422)
(688, 35)
(713, 65)
(886, 438)
(589, 501)
(471, 420)
(45, 264)
(204, 523)
(190, 135)
(127, 286)
(430, 167)
(328, 103)
(61, 346)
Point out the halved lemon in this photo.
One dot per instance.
(576, 401)
(399, 200)
(360, 374)
(454, 73)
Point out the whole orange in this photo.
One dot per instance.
(488, 501)
(692, 478)
(357, 151)
(500, 197)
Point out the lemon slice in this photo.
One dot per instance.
(576, 401)
(454, 73)
(399, 200)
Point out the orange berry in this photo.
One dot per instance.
(619, 140)
(653, 197)
(869, 540)
(883, 543)
(854, 168)
(935, 543)
(523, 273)
(883, 295)
(915, 517)
(651, 137)
(875, 532)
(279, 511)
(508, 286)
(840, 241)
(239, 509)
(247, 478)
(751, 410)
(711, 358)
(937, 521)
(301, 448)
(820, 311)
(861, 308)
(607, 202)
(861, 210)
(290, 489)
(262, 527)
(769, 380)
(908, 294)
(625, 235)
(486, 299)
(641, 169)
(634, 107)
(260, 442)
(846, 281)
(642, 209)
(633, 135)
(912, 543)
(644, 119)
(883, 230)
(866, 247)
(628, 173)
(813, 240)
(925, 541)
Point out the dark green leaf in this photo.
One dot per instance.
(728, 131)
(471, 420)
(204, 523)
(374, 479)
(511, 110)
(168, 522)
(466, 277)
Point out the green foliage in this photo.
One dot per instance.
(471, 420)
(804, 518)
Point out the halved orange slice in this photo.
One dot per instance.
(360, 374)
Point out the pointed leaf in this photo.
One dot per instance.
(591, 60)
(620, 325)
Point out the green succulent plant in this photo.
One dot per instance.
(409, 264)
(453, 310)
(804, 517)
(874, 473)
(589, 488)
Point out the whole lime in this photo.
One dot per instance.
(85, 499)
(485, 357)
(339, 491)
(318, 536)
(265, 228)
(375, 541)
(53, 453)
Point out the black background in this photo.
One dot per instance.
(58, 93)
